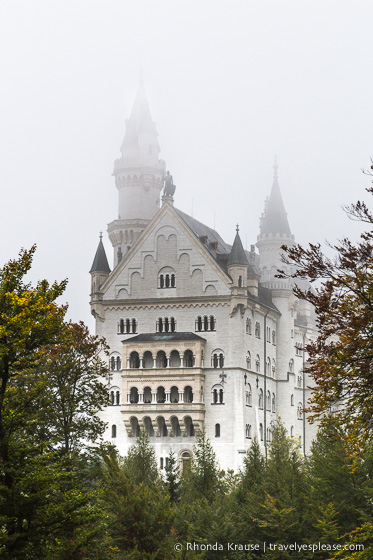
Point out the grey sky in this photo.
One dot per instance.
(230, 84)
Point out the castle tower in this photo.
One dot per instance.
(274, 232)
(237, 269)
(138, 177)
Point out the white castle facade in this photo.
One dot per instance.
(202, 335)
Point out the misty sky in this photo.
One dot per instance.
(230, 84)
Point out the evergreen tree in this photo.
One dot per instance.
(141, 462)
(172, 477)
(339, 477)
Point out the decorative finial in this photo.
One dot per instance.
(275, 168)
(237, 228)
(100, 235)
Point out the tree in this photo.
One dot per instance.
(141, 462)
(341, 358)
(73, 392)
(203, 478)
(172, 478)
(48, 393)
(139, 511)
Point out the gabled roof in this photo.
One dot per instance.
(100, 263)
(237, 255)
(201, 230)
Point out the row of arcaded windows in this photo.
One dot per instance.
(271, 334)
(205, 323)
(115, 397)
(115, 363)
(167, 281)
(166, 324)
(270, 403)
(127, 326)
(160, 427)
(161, 360)
(160, 396)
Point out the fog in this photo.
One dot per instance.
(231, 85)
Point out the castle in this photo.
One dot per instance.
(202, 335)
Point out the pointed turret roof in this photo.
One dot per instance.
(237, 254)
(140, 120)
(100, 263)
(274, 219)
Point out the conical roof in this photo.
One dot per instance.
(237, 254)
(140, 121)
(274, 219)
(100, 263)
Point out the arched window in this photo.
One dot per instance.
(161, 463)
(165, 324)
(112, 396)
(205, 323)
(217, 359)
(117, 395)
(217, 393)
(268, 368)
(147, 395)
(175, 359)
(118, 364)
(126, 326)
(113, 431)
(269, 400)
(134, 360)
(198, 324)
(257, 329)
(261, 432)
(147, 360)
(240, 281)
(249, 396)
(257, 363)
(299, 411)
(161, 395)
(112, 363)
(248, 360)
(292, 400)
(273, 368)
(212, 323)
(261, 404)
(161, 360)
(248, 431)
(134, 395)
(167, 278)
(291, 366)
(273, 402)
(188, 358)
(248, 326)
(174, 395)
(268, 434)
(292, 431)
(185, 460)
(274, 337)
(188, 394)
(217, 430)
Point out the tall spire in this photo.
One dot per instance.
(237, 255)
(138, 176)
(140, 128)
(100, 263)
(274, 219)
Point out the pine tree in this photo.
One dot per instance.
(172, 477)
(141, 462)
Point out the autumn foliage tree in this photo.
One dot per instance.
(341, 357)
